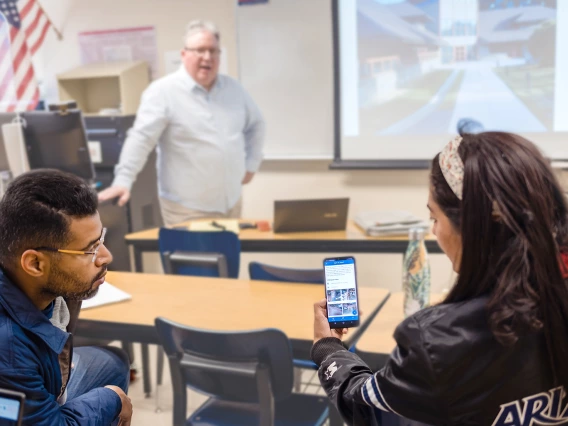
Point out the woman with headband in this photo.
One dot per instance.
(495, 351)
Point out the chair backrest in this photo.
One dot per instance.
(224, 242)
(259, 271)
(224, 364)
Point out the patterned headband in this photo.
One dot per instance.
(452, 166)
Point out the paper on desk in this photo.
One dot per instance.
(106, 295)
(231, 225)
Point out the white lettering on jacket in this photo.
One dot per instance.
(544, 408)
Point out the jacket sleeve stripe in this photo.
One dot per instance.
(372, 395)
(366, 396)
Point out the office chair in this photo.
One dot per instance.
(248, 376)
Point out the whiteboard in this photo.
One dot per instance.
(285, 54)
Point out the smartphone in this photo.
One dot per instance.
(341, 292)
(11, 408)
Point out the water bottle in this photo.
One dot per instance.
(416, 273)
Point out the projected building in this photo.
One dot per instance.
(396, 46)
(510, 30)
(458, 28)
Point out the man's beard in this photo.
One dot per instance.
(69, 286)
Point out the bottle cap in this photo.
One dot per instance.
(416, 233)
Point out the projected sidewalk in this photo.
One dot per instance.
(481, 96)
(484, 97)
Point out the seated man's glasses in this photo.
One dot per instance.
(93, 252)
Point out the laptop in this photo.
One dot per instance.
(311, 215)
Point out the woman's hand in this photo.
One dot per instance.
(321, 325)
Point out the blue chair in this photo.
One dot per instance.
(259, 271)
(200, 253)
(248, 376)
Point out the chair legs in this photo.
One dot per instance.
(160, 372)
(146, 370)
(297, 380)
(159, 376)
(128, 347)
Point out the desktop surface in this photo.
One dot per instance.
(220, 304)
(352, 232)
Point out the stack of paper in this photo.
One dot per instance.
(107, 294)
(389, 222)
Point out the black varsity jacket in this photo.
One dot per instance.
(447, 369)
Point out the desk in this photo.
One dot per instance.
(215, 304)
(352, 240)
(375, 346)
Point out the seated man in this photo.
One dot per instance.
(52, 256)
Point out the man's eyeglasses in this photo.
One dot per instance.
(92, 252)
(202, 51)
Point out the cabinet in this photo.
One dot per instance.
(95, 87)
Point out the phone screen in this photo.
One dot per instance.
(9, 411)
(341, 292)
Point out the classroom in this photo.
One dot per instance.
(283, 212)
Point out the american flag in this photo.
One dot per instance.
(22, 33)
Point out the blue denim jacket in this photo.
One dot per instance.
(31, 352)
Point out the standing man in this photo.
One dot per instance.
(209, 134)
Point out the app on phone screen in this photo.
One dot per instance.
(341, 290)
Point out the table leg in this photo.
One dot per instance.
(128, 347)
(137, 258)
(146, 370)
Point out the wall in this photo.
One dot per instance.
(169, 17)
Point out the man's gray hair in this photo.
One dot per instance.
(197, 26)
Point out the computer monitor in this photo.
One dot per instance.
(5, 118)
(57, 140)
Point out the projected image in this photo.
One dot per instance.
(440, 66)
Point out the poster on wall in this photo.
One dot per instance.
(245, 2)
(118, 45)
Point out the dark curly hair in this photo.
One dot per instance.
(513, 221)
(36, 210)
